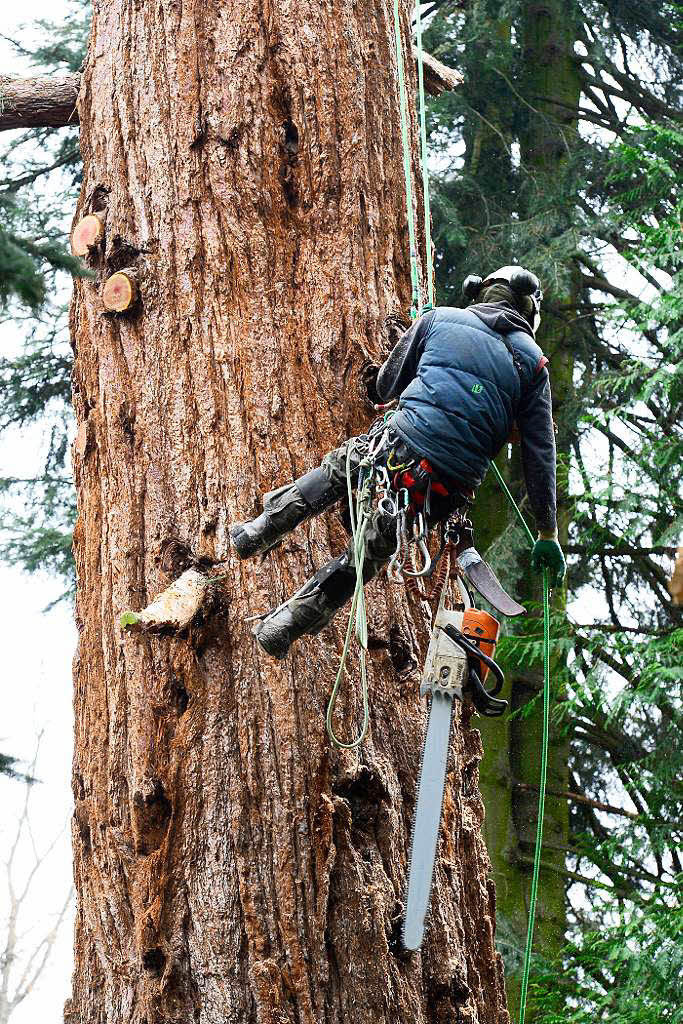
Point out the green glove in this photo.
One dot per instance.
(547, 554)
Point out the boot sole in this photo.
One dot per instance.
(274, 641)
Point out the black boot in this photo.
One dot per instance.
(309, 611)
(284, 509)
(315, 605)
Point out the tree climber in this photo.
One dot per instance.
(463, 378)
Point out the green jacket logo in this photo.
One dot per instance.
(477, 389)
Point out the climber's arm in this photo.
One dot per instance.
(535, 419)
(400, 368)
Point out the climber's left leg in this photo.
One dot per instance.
(314, 606)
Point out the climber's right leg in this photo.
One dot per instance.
(314, 606)
(292, 504)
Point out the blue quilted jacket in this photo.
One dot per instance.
(463, 377)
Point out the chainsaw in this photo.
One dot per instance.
(459, 660)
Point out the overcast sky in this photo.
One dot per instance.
(36, 659)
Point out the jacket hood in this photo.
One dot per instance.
(501, 317)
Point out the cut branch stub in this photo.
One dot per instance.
(174, 608)
(120, 291)
(88, 233)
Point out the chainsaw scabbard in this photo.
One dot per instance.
(484, 580)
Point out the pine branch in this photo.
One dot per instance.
(578, 798)
(627, 91)
(14, 184)
(607, 627)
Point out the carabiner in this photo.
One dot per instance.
(383, 481)
(387, 506)
(395, 567)
(419, 536)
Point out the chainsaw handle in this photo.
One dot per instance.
(471, 648)
(485, 704)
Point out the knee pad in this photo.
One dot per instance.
(336, 580)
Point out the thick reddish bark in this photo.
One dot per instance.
(230, 866)
(39, 102)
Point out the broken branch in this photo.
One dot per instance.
(174, 608)
(439, 77)
(39, 102)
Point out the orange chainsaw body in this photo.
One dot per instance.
(483, 630)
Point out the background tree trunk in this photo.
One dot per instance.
(230, 866)
(548, 94)
(551, 90)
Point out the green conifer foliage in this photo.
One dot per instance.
(39, 183)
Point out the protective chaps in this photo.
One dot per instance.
(314, 606)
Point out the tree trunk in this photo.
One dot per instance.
(230, 865)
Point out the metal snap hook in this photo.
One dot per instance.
(420, 539)
(395, 568)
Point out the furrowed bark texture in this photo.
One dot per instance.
(230, 866)
(39, 102)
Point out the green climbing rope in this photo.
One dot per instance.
(423, 156)
(544, 757)
(360, 519)
(416, 306)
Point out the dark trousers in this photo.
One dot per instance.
(327, 485)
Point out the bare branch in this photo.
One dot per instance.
(30, 974)
(39, 102)
(579, 799)
(12, 993)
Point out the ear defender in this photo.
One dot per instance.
(524, 282)
(471, 286)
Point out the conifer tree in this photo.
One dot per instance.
(627, 58)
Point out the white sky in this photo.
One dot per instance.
(36, 660)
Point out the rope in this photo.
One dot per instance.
(423, 154)
(541, 799)
(360, 519)
(416, 307)
(544, 757)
